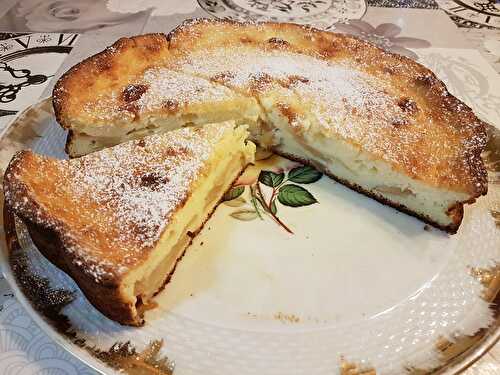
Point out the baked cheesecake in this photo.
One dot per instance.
(123, 94)
(117, 220)
(189, 101)
(380, 123)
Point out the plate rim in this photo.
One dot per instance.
(456, 365)
(6, 271)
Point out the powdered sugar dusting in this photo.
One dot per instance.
(156, 90)
(387, 105)
(338, 92)
(164, 85)
(112, 206)
(340, 98)
(137, 186)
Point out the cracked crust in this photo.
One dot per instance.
(101, 71)
(105, 295)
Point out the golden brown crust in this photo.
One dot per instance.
(115, 203)
(103, 71)
(425, 104)
(106, 297)
(25, 198)
(52, 242)
(432, 110)
(111, 206)
(50, 236)
(99, 217)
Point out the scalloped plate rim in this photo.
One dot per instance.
(454, 366)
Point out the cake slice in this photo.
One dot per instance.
(118, 220)
(128, 91)
(375, 121)
(157, 101)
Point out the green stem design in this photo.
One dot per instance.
(254, 203)
(268, 208)
(290, 195)
(285, 180)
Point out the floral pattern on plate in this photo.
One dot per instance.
(191, 325)
(271, 186)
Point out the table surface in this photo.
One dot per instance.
(24, 348)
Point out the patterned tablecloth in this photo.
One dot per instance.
(40, 39)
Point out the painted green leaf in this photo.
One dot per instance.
(304, 175)
(234, 193)
(295, 196)
(255, 199)
(274, 209)
(244, 215)
(271, 179)
(238, 202)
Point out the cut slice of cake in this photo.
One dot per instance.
(157, 101)
(378, 122)
(118, 220)
(128, 91)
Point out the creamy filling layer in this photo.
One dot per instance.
(82, 143)
(244, 109)
(271, 129)
(231, 156)
(333, 155)
(351, 164)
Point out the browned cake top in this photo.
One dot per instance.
(385, 104)
(111, 207)
(106, 74)
(156, 90)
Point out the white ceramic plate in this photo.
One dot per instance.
(357, 288)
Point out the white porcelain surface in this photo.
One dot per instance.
(357, 279)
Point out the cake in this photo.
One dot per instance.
(377, 122)
(117, 220)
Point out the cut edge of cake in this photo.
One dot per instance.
(376, 179)
(121, 292)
